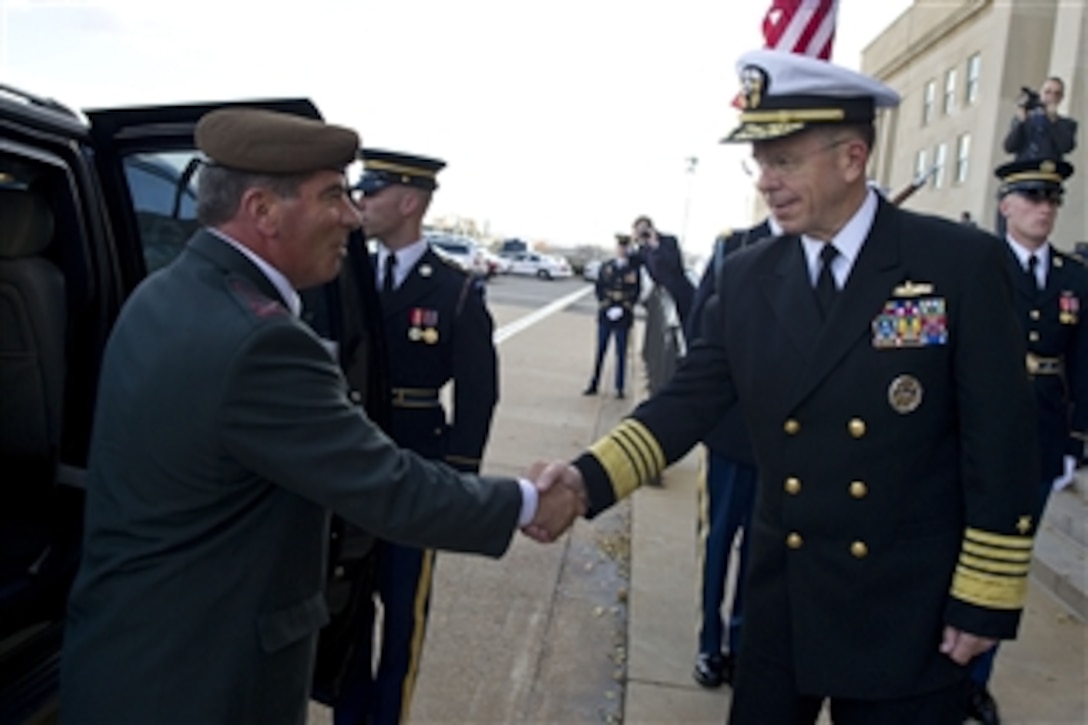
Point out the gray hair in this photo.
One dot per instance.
(220, 190)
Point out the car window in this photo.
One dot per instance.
(163, 189)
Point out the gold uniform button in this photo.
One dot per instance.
(355, 396)
(856, 426)
(793, 485)
(1033, 336)
(338, 572)
(859, 549)
(794, 540)
(792, 427)
(1035, 314)
(858, 489)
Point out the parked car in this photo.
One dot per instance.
(591, 270)
(464, 251)
(89, 206)
(544, 266)
(495, 263)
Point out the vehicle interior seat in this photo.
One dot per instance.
(33, 329)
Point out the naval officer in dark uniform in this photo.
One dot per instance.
(437, 330)
(879, 366)
(1050, 288)
(617, 288)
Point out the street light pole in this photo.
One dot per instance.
(692, 162)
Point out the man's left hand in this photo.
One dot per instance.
(962, 646)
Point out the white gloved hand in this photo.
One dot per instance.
(1070, 469)
(614, 313)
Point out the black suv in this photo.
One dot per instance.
(90, 204)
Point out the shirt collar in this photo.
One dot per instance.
(287, 292)
(848, 241)
(406, 259)
(1022, 253)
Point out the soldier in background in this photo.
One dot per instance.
(437, 329)
(726, 496)
(346, 314)
(618, 287)
(1051, 287)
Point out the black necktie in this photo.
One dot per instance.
(389, 274)
(826, 289)
(1033, 280)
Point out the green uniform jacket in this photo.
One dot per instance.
(895, 443)
(223, 437)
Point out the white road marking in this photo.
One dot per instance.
(507, 331)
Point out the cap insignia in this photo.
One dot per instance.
(754, 85)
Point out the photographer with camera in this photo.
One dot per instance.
(660, 254)
(1037, 131)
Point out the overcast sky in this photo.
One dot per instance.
(560, 120)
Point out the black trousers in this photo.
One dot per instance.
(765, 695)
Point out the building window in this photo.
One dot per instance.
(973, 64)
(930, 97)
(939, 155)
(920, 163)
(950, 91)
(963, 151)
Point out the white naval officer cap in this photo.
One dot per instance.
(783, 93)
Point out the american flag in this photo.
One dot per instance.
(806, 27)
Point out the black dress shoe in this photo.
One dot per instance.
(981, 706)
(708, 670)
(591, 390)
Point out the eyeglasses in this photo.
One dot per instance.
(786, 164)
(1039, 196)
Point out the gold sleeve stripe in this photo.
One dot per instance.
(989, 590)
(462, 459)
(991, 552)
(632, 448)
(629, 456)
(994, 567)
(1006, 542)
(1079, 435)
(657, 456)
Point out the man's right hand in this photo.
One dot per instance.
(562, 499)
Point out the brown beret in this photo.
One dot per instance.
(267, 142)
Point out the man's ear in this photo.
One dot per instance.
(260, 207)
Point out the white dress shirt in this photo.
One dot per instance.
(1042, 254)
(848, 241)
(406, 259)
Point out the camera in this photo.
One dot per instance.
(644, 235)
(1029, 99)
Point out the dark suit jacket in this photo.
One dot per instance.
(729, 437)
(897, 482)
(438, 329)
(1053, 140)
(666, 267)
(1055, 327)
(223, 436)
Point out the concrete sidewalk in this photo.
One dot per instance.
(600, 627)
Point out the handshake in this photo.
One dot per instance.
(561, 498)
